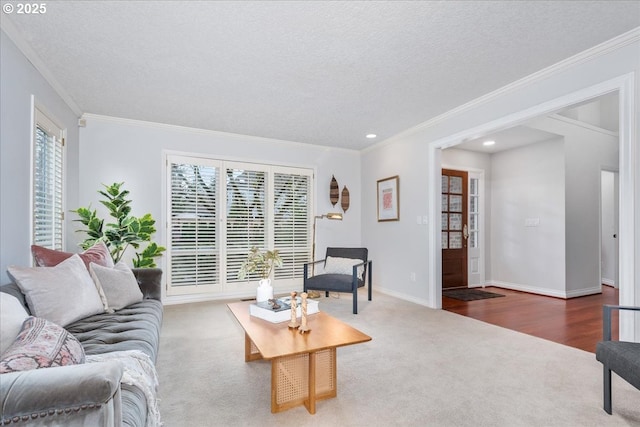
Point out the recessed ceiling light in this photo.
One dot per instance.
(487, 143)
(371, 135)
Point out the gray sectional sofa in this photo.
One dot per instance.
(89, 394)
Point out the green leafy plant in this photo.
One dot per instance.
(127, 230)
(259, 262)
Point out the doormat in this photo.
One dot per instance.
(469, 294)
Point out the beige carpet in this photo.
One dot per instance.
(423, 367)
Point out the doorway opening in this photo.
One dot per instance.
(624, 87)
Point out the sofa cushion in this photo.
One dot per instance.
(41, 344)
(98, 253)
(134, 406)
(117, 286)
(60, 294)
(136, 327)
(337, 265)
(12, 316)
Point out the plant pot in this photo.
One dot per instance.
(265, 290)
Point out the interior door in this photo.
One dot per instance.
(609, 228)
(455, 231)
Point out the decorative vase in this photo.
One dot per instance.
(265, 290)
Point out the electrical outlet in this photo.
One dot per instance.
(412, 277)
(532, 222)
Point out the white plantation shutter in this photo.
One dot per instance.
(291, 223)
(246, 216)
(48, 211)
(219, 210)
(193, 225)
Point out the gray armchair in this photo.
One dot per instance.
(347, 280)
(621, 357)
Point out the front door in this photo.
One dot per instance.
(454, 229)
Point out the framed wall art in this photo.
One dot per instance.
(389, 199)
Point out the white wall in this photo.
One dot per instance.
(19, 80)
(397, 248)
(115, 150)
(587, 152)
(400, 246)
(528, 184)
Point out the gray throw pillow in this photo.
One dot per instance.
(61, 294)
(117, 286)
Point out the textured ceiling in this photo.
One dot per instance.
(314, 72)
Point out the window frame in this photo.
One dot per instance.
(225, 286)
(45, 121)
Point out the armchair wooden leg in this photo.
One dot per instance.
(607, 390)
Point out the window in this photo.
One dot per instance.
(291, 223)
(219, 210)
(48, 212)
(474, 212)
(193, 227)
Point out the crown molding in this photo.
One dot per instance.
(604, 48)
(14, 34)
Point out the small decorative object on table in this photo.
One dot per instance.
(261, 263)
(303, 326)
(294, 305)
(266, 310)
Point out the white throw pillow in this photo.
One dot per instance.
(61, 294)
(12, 316)
(117, 286)
(336, 265)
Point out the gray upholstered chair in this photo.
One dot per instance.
(621, 357)
(340, 275)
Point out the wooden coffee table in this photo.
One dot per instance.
(303, 366)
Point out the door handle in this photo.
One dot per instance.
(465, 232)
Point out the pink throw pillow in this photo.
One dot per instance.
(41, 344)
(98, 253)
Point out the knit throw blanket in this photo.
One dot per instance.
(140, 372)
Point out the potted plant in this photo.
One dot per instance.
(127, 230)
(262, 264)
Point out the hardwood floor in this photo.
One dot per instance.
(575, 322)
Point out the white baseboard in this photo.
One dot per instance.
(402, 296)
(545, 292)
(608, 282)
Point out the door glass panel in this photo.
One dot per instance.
(474, 221)
(445, 202)
(455, 240)
(455, 184)
(455, 221)
(445, 242)
(473, 186)
(445, 183)
(445, 220)
(455, 203)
